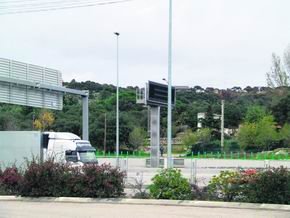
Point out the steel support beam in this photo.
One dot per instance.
(43, 86)
(83, 94)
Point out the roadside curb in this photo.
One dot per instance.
(209, 204)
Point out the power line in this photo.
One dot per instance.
(55, 3)
(54, 8)
(15, 2)
(49, 3)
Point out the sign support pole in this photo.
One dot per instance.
(155, 136)
(85, 117)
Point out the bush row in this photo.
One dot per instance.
(267, 186)
(51, 179)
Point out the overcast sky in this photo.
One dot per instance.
(217, 43)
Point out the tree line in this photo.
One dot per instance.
(273, 102)
(262, 114)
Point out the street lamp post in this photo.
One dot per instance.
(222, 124)
(117, 102)
(169, 108)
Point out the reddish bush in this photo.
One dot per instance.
(51, 179)
(44, 179)
(269, 186)
(265, 186)
(248, 176)
(249, 172)
(102, 181)
(10, 181)
(55, 179)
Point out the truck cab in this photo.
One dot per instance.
(67, 147)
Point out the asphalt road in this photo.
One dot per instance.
(82, 210)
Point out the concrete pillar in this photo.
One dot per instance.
(155, 136)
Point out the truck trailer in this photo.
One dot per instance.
(18, 146)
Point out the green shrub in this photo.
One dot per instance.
(190, 138)
(169, 184)
(270, 186)
(232, 145)
(201, 148)
(225, 186)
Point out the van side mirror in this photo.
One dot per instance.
(71, 156)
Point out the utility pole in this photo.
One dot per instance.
(222, 124)
(105, 134)
(169, 108)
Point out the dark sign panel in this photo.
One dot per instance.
(158, 94)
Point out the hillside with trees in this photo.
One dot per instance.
(261, 113)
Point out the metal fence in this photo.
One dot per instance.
(198, 171)
(206, 155)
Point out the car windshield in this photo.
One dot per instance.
(88, 157)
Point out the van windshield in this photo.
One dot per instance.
(88, 157)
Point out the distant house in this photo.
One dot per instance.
(198, 89)
(201, 116)
(216, 91)
(209, 89)
(227, 131)
(230, 132)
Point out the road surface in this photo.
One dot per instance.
(91, 210)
